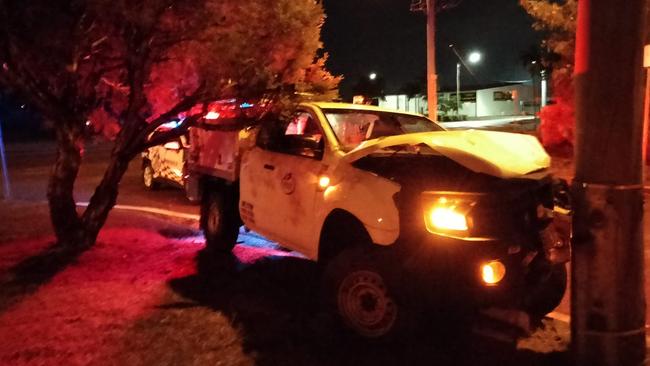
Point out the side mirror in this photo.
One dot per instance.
(172, 145)
(310, 146)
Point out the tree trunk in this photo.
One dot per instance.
(105, 195)
(63, 211)
(71, 230)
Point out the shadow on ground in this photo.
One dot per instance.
(27, 276)
(275, 304)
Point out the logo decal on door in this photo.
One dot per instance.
(288, 185)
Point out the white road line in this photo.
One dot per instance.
(152, 210)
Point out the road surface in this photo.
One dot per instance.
(29, 166)
(489, 122)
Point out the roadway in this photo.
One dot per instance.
(491, 122)
(29, 166)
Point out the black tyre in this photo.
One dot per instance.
(148, 179)
(545, 291)
(219, 220)
(359, 287)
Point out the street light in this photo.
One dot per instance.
(458, 89)
(372, 76)
(474, 57)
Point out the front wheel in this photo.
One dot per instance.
(148, 179)
(219, 220)
(545, 291)
(359, 287)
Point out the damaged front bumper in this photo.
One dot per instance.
(453, 269)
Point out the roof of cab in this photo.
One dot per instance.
(358, 107)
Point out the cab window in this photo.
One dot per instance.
(300, 135)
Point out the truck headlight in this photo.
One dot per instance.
(448, 215)
(447, 218)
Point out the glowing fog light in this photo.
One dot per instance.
(493, 272)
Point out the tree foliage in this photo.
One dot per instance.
(129, 66)
(448, 105)
(557, 19)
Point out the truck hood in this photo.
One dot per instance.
(500, 154)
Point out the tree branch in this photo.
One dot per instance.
(138, 143)
(164, 137)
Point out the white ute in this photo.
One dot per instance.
(394, 206)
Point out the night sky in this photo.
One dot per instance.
(385, 37)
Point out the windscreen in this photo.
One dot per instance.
(352, 127)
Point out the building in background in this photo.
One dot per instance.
(406, 103)
(498, 99)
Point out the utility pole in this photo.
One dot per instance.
(646, 104)
(432, 76)
(429, 8)
(607, 297)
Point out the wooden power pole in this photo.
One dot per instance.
(608, 302)
(429, 8)
(432, 76)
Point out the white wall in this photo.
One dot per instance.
(402, 102)
(522, 103)
(522, 93)
(486, 105)
(467, 109)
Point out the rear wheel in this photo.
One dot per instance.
(148, 179)
(191, 197)
(219, 220)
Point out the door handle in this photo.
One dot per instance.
(269, 167)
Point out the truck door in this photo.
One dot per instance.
(279, 180)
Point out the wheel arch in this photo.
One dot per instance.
(145, 162)
(332, 241)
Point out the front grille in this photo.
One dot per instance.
(514, 213)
